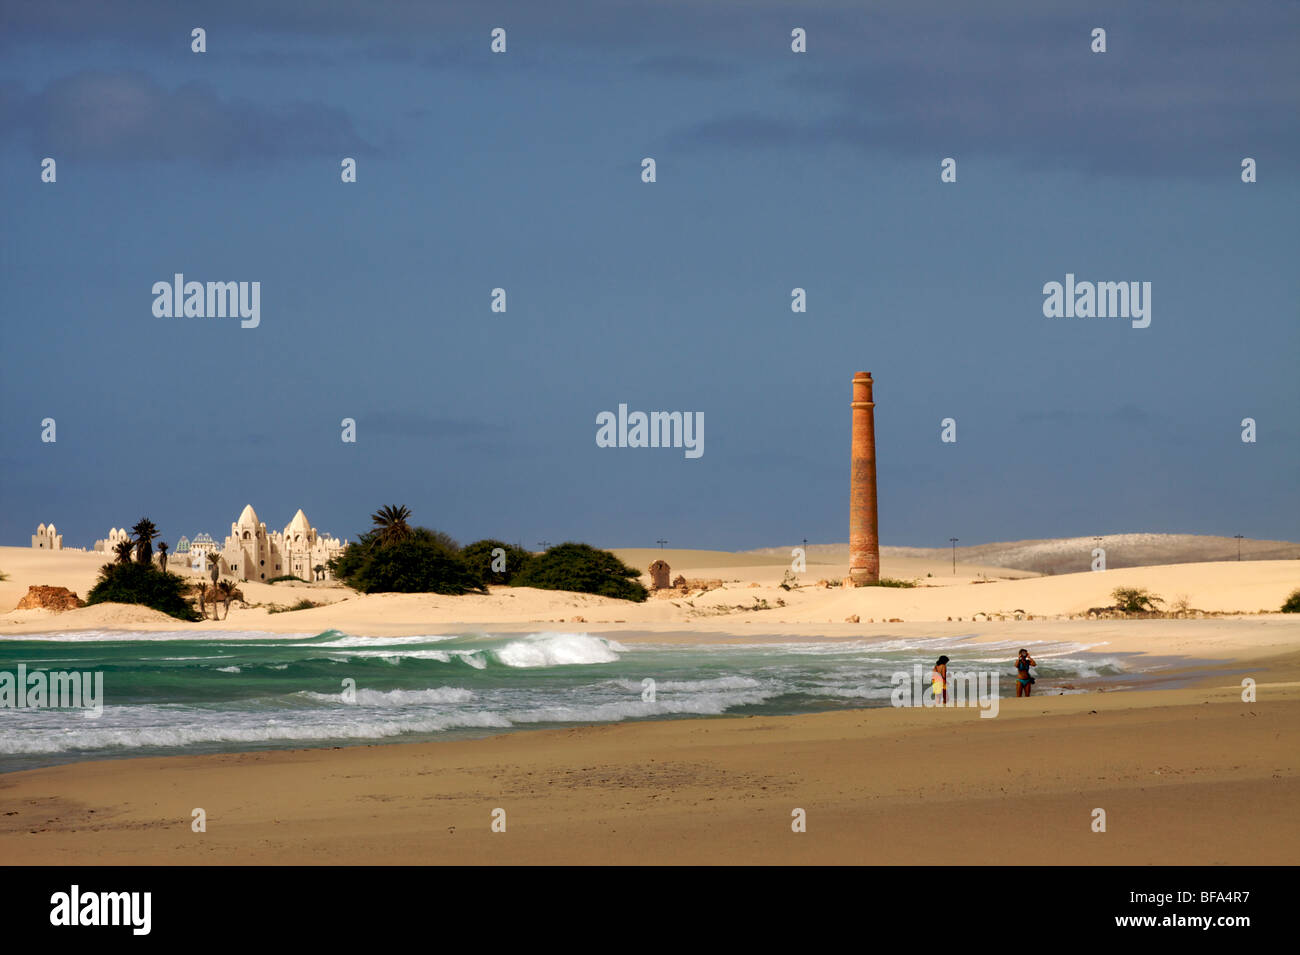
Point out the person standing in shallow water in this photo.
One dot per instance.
(1024, 682)
(939, 681)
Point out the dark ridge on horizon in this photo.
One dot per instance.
(1071, 554)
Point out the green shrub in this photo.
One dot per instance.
(142, 584)
(478, 556)
(893, 582)
(1135, 600)
(584, 569)
(1292, 604)
(424, 561)
(276, 580)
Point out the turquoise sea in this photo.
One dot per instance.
(190, 692)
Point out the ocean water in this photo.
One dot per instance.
(167, 693)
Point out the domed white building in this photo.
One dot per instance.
(115, 535)
(251, 553)
(47, 538)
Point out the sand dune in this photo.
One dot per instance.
(750, 597)
(751, 601)
(1067, 555)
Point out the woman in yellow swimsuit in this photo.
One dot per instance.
(939, 682)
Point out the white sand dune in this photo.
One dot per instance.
(751, 600)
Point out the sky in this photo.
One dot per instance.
(775, 170)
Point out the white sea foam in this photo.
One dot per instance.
(434, 695)
(440, 655)
(861, 692)
(558, 649)
(474, 658)
(241, 730)
(347, 640)
(229, 670)
(693, 686)
(696, 704)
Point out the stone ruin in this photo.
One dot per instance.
(41, 597)
(659, 575)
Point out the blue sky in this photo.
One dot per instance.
(775, 171)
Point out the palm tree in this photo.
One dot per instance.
(162, 554)
(144, 532)
(226, 590)
(319, 571)
(124, 550)
(214, 571)
(391, 523)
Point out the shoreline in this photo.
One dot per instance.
(1171, 760)
(1230, 638)
(1171, 767)
(1167, 673)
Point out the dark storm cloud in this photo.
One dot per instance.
(127, 115)
(1180, 91)
(1185, 88)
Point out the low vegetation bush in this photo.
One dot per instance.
(143, 584)
(421, 561)
(582, 568)
(1135, 600)
(478, 556)
(1292, 604)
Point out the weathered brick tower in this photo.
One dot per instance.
(864, 539)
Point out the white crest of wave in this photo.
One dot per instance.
(395, 657)
(242, 729)
(347, 640)
(695, 704)
(694, 686)
(558, 649)
(439, 694)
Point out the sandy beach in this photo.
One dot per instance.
(1172, 768)
(1189, 776)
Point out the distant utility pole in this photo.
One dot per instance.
(661, 543)
(805, 545)
(543, 544)
(1238, 536)
(954, 555)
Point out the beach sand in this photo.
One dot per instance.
(1190, 775)
(1185, 776)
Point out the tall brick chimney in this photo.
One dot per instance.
(864, 539)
